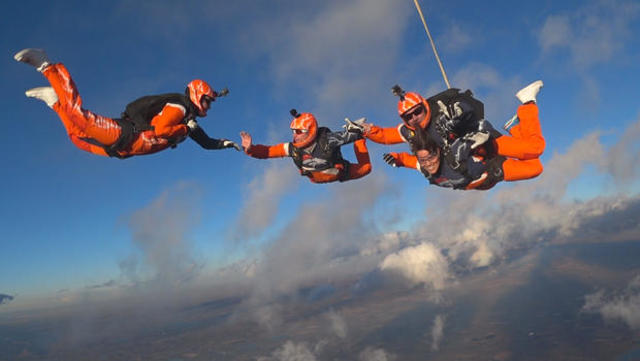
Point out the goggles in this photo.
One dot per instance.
(410, 114)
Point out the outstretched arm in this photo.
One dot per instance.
(382, 135)
(401, 160)
(263, 151)
(200, 136)
(336, 139)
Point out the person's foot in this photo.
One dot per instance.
(529, 93)
(34, 57)
(46, 94)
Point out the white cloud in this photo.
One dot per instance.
(160, 231)
(291, 351)
(621, 306)
(437, 332)
(338, 324)
(264, 192)
(375, 354)
(623, 158)
(455, 38)
(419, 264)
(593, 34)
(385, 243)
(556, 32)
(322, 242)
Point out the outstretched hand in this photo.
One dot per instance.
(391, 159)
(246, 140)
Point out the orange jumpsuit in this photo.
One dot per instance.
(337, 172)
(92, 132)
(522, 147)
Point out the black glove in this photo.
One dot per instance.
(230, 144)
(390, 159)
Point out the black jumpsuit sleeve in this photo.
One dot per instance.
(336, 139)
(200, 137)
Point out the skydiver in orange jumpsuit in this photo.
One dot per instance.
(149, 124)
(316, 150)
(499, 157)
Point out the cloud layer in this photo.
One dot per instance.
(593, 34)
(622, 306)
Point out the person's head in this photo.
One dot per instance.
(427, 152)
(429, 160)
(304, 127)
(201, 95)
(414, 110)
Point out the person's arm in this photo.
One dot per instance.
(200, 136)
(383, 135)
(263, 151)
(336, 139)
(168, 123)
(401, 160)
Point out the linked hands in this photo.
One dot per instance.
(355, 126)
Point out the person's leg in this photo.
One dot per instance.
(525, 140)
(515, 169)
(69, 107)
(363, 167)
(77, 136)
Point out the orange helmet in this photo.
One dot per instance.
(305, 123)
(411, 100)
(199, 89)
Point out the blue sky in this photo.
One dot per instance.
(69, 219)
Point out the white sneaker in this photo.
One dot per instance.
(34, 57)
(46, 94)
(528, 93)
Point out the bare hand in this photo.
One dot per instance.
(246, 140)
(366, 127)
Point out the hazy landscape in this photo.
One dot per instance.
(530, 308)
